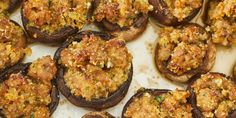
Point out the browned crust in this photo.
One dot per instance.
(196, 111)
(208, 63)
(25, 35)
(127, 33)
(23, 68)
(205, 18)
(102, 114)
(25, 41)
(160, 14)
(140, 92)
(44, 37)
(97, 104)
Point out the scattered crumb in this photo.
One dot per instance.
(143, 68)
(150, 46)
(63, 101)
(136, 85)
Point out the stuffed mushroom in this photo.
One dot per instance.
(29, 90)
(54, 20)
(175, 12)
(213, 96)
(158, 103)
(184, 52)
(124, 18)
(101, 114)
(95, 71)
(12, 43)
(220, 17)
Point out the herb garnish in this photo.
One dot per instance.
(160, 98)
(32, 115)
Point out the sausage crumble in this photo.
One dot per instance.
(53, 15)
(215, 95)
(121, 12)
(28, 95)
(168, 105)
(12, 43)
(182, 49)
(95, 67)
(182, 8)
(221, 20)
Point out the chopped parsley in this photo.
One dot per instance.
(160, 99)
(32, 115)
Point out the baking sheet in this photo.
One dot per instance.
(145, 73)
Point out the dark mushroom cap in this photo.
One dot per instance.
(204, 67)
(97, 104)
(13, 5)
(127, 33)
(140, 93)
(23, 68)
(205, 17)
(196, 111)
(38, 35)
(162, 14)
(102, 114)
(219, 23)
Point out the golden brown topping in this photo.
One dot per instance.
(26, 95)
(53, 15)
(183, 8)
(221, 18)
(43, 69)
(121, 12)
(182, 49)
(12, 43)
(215, 95)
(4, 5)
(169, 105)
(95, 67)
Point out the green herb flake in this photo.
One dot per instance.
(32, 115)
(160, 99)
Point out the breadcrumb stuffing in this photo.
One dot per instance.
(215, 95)
(95, 67)
(4, 5)
(53, 15)
(182, 8)
(28, 95)
(12, 43)
(221, 20)
(169, 105)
